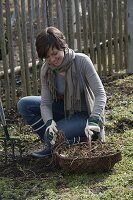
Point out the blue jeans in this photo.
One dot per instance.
(73, 126)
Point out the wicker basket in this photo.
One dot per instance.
(90, 164)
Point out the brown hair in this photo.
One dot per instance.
(49, 37)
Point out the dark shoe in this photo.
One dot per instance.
(43, 153)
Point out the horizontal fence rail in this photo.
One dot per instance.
(97, 28)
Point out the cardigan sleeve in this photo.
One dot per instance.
(94, 82)
(46, 98)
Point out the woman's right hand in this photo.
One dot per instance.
(51, 131)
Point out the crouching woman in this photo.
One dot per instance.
(72, 97)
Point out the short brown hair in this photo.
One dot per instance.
(49, 37)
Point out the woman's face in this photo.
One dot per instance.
(54, 56)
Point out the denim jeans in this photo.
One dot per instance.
(72, 126)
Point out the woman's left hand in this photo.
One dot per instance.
(92, 128)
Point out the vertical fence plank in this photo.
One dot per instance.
(0, 89)
(50, 13)
(78, 26)
(70, 24)
(65, 18)
(94, 27)
(11, 54)
(33, 54)
(38, 23)
(93, 18)
(4, 59)
(59, 15)
(109, 35)
(44, 13)
(38, 16)
(85, 26)
(24, 38)
(103, 37)
(120, 34)
(125, 35)
(115, 34)
(90, 28)
(98, 38)
(20, 45)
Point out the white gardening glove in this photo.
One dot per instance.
(51, 131)
(92, 129)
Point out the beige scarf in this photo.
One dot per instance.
(72, 96)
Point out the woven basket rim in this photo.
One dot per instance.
(89, 158)
(56, 152)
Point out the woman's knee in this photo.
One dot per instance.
(21, 104)
(72, 128)
(29, 105)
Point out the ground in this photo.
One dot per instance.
(36, 179)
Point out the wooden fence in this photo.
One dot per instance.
(96, 27)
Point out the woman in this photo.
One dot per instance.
(72, 95)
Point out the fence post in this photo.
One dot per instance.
(130, 36)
